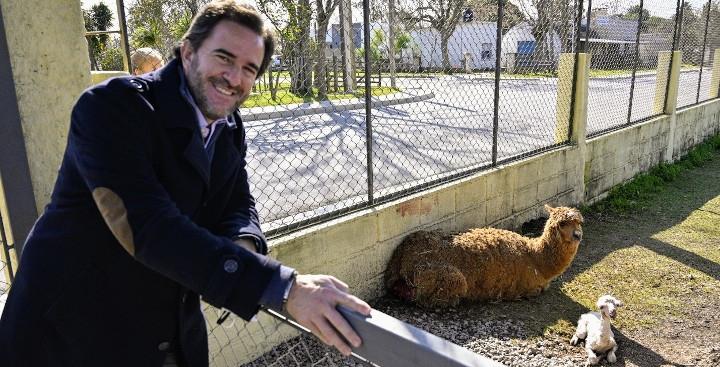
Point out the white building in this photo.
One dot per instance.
(519, 42)
(473, 41)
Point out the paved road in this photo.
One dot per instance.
(303, 166)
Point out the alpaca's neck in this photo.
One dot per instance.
(605, 323)
(554, 255)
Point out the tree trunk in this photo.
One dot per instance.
(302, 64)
(323, 18)
(444, 38)
(391, 41)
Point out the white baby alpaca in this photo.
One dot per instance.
(594, 327)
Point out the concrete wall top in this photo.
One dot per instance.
(49, 59)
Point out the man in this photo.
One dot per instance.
(145, 60)
(149, 207)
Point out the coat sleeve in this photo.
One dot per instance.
(240, 218)
(113, 154)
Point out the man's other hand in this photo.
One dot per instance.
(312, 301)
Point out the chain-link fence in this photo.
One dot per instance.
(450, 94)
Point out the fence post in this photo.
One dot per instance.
(496, 95)
(702, 54)
(715, 81)
(566, 75)
(663, 78)
(671, 101)
(124, 44)
(635, 62)
(368, 104)
(579, 121)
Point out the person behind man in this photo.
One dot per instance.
(151, 209)
(145, 60)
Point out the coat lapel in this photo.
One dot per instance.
(225, 159)
(176, 113)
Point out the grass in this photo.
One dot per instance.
(663, 255)
(284, 96)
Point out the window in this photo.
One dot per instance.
(486, 51)
(526, 47)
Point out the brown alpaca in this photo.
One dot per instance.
(438, 269)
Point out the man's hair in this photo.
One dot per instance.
(216, 11)
(145, 54)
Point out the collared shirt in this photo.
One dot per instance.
(281, 282)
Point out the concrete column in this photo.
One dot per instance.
(47, 68)
(671, 102)
(715, 81)
(566, 68)
(668, 71)
(579, 123)
(663, 70)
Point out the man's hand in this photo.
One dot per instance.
(312, 302)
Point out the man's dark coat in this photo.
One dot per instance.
(139, 224)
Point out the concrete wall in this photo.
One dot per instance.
(695, 125)
(503, 197)
(50, 66)
(616, 157)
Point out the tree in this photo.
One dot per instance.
(712, 41)
(147, 36)
(691, 35)
(548, 18)
(487, 11)
(98, 18)
(291, 19)
(377, 48)
(633, 12)
(160, 23)
(443, 16)
(323, 10)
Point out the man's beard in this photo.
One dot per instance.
(198, 86)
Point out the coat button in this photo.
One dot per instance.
(230, 266)
(164, 346)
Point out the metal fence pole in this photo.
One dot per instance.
(496, 104)
(635, 63)
(702, 55)
(124, 44)
(587, 27)
(368, 101)
(578, 24)
(675, 46)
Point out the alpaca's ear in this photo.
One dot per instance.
(619, 303)
(548, 208)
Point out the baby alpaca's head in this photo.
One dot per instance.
(608, 305)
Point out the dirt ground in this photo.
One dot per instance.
(662, 259)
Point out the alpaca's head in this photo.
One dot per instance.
(608, 305)
(564, 225)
